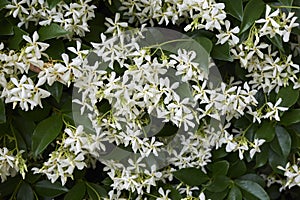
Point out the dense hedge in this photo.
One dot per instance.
(151, 99)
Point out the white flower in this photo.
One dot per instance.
(273, 110)
(226, 35)
(164, 194)
(255, 146)
(34, 48)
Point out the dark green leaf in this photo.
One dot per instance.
(3, 3)
(45, 132)
(174, 194)
(2, 112)
(254, 178)
(252, 12)
(220, 168)
(262, 157)
(17, 38)
(253, 188)
(287, 3)
(77, 192)
(8, 187)
(95, 191)
(235, 194)
(47, 189)
(216, 195)
(288, 95)
(222, 52)
(53, 3)
(219, 184)
(6, 27)
(290, 117)
(25, 192)
(26, 127)
(234, 8)
(38, 113)
(205, 43)
(191, 176)
(266, 131)
(51, 31)
(55, 49)
(277, 41)
(56, 90)
(169, 129)
(237, 169)
(276, 160)
(284, 140)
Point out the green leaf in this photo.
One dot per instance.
(290, 117)
(47, 189)
(222, 52)
(253, 177)
(237, 169)
(53, 3)
(234, 8)
(288, 95)
(220, 168)
(26, 127)
(174, 194)
(275, 160)
(51, 31)
(56, 48)
(25, 192)
(56, 90)
(287, 3)
(38, 113)
(3, 3)
(95, 191)
(266, 131)
(235, 194)
(8, 187)
(284, 140)
(205, 43)
(262, 158)
(169, 129)
(2, 112)
(45, 132)
(252, 12)
(277, 41)
(219, 184)
(77, 192)
(6, 27)
(17, 38)
(253, 188)
(191, 176)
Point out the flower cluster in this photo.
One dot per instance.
(11, 164)
(72, 17)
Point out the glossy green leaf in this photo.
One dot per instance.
(290, 117)
(47, 189)
(276, 160)
(220, 168)
(2, 112)
(56, 49)
(277, 41)
(26, 127)
(288, 95)
(253, 188)
(6, 27)
(37, 114)
(8, 187)
(3, 3)
(253, 177)
(261, 158)
(51, 31)
(222, 52)
(56, 90)
(235, 194)
(191, 176)
(53, 3)
(237, 169)
(266, 131)
(234, 8)
(17, 38)
(25, 192)
(219, 184)
(45, 132)
(252, 12)
(205, 43)
(284, 140)
(77, 192)
(95, 191)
